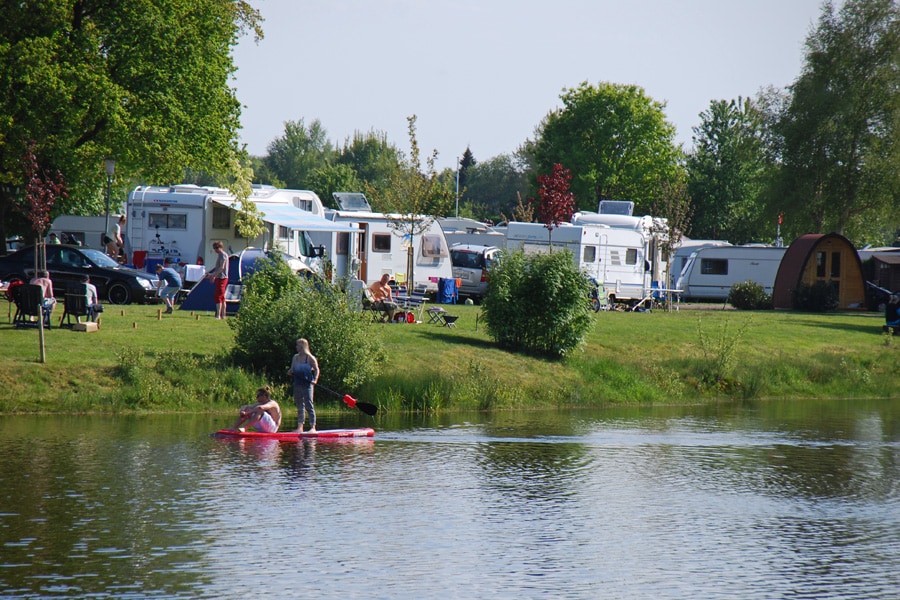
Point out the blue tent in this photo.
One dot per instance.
(201, 295)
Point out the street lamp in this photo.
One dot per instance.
(110, 164)
(457, 186)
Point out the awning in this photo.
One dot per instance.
(292, 217)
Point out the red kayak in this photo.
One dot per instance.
(293, 435)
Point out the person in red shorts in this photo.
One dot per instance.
(219, 276)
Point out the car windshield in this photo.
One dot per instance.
(98, 258)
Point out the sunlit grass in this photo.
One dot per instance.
(180, 362)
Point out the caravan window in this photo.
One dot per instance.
(433, 246)
(714, 266)
(167, 221)
(820, 264)
(590, 254)
(221, 217)
(836, 264)
(381, 242)
(343, 244)
(284, 233)
(631, 256)
(303, 204)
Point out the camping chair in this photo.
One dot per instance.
(29, 299)
(415, 302)
(75, 305)
(368, 303)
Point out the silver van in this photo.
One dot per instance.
(470, 265)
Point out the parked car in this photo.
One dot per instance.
(67, 265)
(471, 263)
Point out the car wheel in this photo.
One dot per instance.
(119, 293)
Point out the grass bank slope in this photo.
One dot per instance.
(141, 362)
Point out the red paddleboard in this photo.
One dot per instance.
(293, 435)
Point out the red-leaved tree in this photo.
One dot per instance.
(557, 203)
(41, 191)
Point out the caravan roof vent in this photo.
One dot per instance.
(352, 201)
(616, 207)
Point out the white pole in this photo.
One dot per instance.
(457, 187)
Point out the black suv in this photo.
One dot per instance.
(68, 265)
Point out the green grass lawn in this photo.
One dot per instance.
(181, 362)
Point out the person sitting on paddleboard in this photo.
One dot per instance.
(264, 416)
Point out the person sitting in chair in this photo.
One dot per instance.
(93, 299)
(43, 280)
(382, 294)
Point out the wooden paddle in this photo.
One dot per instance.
(369, 409)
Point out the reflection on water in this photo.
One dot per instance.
(763, 500)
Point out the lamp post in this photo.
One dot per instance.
(457, 187)
(110, 164)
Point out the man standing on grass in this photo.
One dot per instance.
(172, 281)
(219, 277)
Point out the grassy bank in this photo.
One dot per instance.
(180, 363)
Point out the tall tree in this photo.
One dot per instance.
(493, 186)
(840, 130)
(146, 83)
(616, 141)
(372, 157)
(301, 150)
(556, 203)
(326, 180)
(465, 163)
(726, 172)
(415, 196)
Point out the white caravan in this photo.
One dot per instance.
(710, 272)
(83, 231)
(183, 221)
(680, 255)
(622, 259)
(376, 248)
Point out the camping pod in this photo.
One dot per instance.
(827, 257)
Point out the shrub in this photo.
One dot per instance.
(749, 295)
(538, 303)
(277, 307)
(822, 296)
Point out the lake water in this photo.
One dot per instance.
(761, 500)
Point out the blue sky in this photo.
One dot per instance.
(483, 73)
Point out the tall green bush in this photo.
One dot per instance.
(538, 304)
(821, 296)
(277, 307)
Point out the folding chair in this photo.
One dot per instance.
(368, 304)
(29, 299)
(75, 305)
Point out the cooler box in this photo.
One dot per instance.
(446, 293)
(151, 264)
(138, 258)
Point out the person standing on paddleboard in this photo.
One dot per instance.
(264, 416)
(305, 371)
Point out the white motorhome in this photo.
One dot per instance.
(376, 248)
(710, 272)
(183, 221)
(622, 259)
(83, 231)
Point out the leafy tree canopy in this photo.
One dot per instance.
(727, 170)
(146, 83)
(615, 140)
(839, 132)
